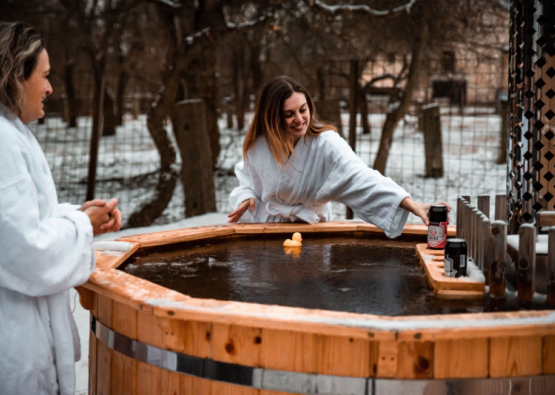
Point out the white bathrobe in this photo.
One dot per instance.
(323, 169)
(45, 249)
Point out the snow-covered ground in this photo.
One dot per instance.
(128, 161)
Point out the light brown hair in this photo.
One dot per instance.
(20, 46)
(269, 119)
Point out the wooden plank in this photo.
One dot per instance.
(288, 350)
(461, 358)
(124, 319)
(180, 235)
(124, 369)
(194, 386)
(549, 355)
(515, 356)
(103, 367)
(236, 344)
(129, 378)
(112, 259)
(103, 352)
(343, 356)
(149, 330)
(217, 388)
(187, 337)
(116, 376)
(416, 360)
(388, 353)
(148, 379)
(434, 269)
(92, 363)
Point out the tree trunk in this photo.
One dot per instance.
(109, 128)
(70, 93)
(363, 104)
(120, 97)
(394, 115)
(169, 173)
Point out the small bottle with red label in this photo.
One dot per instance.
(437, 230)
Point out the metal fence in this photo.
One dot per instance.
(471, 127)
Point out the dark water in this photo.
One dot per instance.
(356, 275)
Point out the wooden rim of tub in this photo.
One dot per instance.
(159, 301)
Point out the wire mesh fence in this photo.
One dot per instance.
(471, 126)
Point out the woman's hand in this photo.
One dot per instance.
(421, 209)
(239, 211)
(104, 216)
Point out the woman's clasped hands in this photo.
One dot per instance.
(104, 215)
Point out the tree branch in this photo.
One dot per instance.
(346, 8)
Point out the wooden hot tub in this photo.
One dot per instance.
(147, 339)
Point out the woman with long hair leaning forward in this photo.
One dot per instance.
(294, 166)
(45, 247)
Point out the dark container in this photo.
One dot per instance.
(455, 258)
(437, 229)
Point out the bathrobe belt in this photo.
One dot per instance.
(310, 214)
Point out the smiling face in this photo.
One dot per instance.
(36, 88)
(297, 116)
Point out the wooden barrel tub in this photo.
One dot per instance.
(147, 339)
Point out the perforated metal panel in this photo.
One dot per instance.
(531, 167)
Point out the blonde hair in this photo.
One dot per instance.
(269, 119)
(20, 46)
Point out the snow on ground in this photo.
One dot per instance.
(128, 161)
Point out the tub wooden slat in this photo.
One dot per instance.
(343, 356)
(217, 388)
(194, 385)
(92, 349)
(103, 367)
(549, 355)
(124, 319)
(149, 330)
(148, 379)
(515, 356)
(187, 337)
(103, 353)
(388, 353)
(461, 358)
(416, 360)
(288, 350)
(117, 374)
(236, 344)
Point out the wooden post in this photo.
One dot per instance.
(503, 133)
(197, 175)
(136, 107)
(487, 247)
(353, 106)
(432, 141)
(483, 204)
(499, 263)
(526, 261)
(551, 266)
(501, 207)
(459, 216)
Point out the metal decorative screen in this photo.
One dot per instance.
(531, 167)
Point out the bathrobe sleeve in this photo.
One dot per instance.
(372, 197)
(39, 255)
(245, 190)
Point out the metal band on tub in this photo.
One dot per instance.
(302, 383)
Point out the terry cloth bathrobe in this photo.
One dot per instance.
(323, 169)
(45, 249)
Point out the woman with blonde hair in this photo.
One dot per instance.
(294, 166)
(45, 247)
